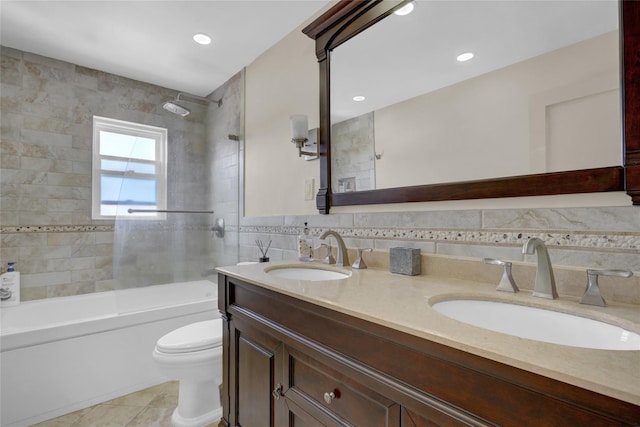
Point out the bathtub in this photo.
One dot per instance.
(59, 355)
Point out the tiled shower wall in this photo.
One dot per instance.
(352, 161)
(577, 238)
(224, 136)
(45, 156)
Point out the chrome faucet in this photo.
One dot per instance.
(343, 257)
(545, 286)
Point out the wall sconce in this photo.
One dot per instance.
(302, 137)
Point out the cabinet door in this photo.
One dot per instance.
(298, 417)
(331, 397)
(256, 369)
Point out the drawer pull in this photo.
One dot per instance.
(328, 397)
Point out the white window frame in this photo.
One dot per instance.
(133, 129)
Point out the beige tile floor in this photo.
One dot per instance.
(151, 407)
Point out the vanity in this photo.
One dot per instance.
(369, 350)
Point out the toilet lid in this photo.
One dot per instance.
(194, 337)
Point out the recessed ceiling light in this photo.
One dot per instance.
(359, 98)
(201, 38)
(405, 10)
(464, 56)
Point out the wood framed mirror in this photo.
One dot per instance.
(347, 19)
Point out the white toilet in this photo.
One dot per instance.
(193, 356)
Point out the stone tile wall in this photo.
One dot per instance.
(577, 238)
(353, 154)
(45, 176)
(225, 136)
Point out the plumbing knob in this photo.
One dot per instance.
(359, 263)
(329, 259)
(592, 295)
(507, 284)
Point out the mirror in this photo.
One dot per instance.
(521, 105)
(552, 95)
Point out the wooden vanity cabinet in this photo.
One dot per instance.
(278, 384)
(283, 356)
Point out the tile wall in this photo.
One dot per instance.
(45, 191)
(353, 159)
(577, 238)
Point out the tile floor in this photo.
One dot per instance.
(151, 407)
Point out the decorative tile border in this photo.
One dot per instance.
(54, 228)
(102, 228)
(623, 241)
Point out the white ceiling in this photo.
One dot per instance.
(151, 41)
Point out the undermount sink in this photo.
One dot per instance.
(311, 273)
(539, 324)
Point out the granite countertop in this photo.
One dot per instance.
(404, 303)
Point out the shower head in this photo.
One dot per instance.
(176, 109)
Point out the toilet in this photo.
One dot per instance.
(192, 355)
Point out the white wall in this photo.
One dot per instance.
(531, 117)
(281, 82)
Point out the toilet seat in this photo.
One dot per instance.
(194, 337)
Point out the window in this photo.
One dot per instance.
(129, 169)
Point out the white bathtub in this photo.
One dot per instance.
(59, 355)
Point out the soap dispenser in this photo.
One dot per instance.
(10, 286)
(305, 245)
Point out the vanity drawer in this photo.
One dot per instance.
(334, 399)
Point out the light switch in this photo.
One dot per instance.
(308, 188)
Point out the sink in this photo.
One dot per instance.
(539, 324)
(311, 273)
